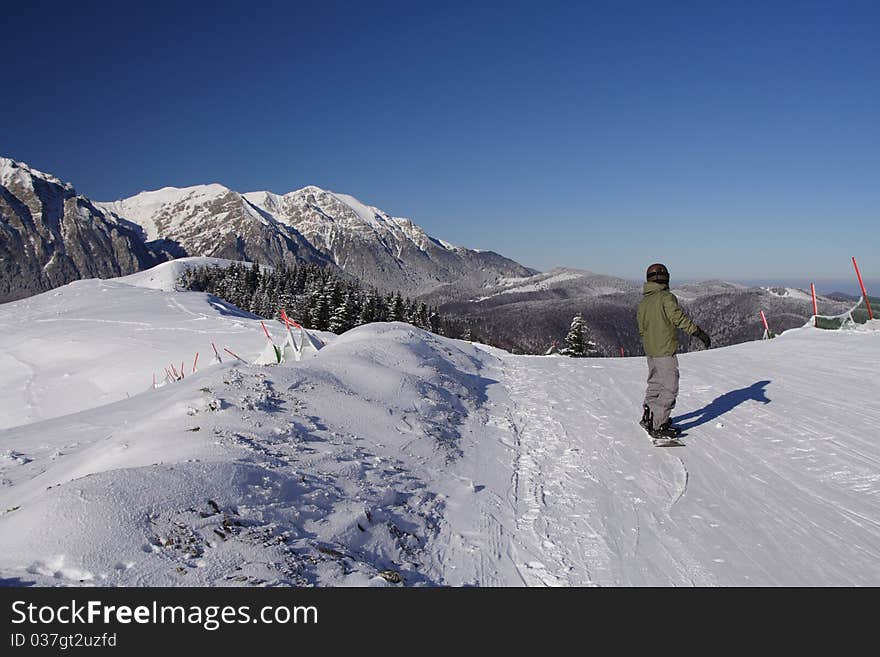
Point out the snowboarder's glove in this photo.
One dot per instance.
(703, 336)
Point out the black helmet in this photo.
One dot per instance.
(658, 273)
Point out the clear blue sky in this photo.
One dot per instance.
(736, 140)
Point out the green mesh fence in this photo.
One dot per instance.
(858, 314)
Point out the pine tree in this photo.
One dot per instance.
(396, 312)
(344, 316)
(253, 277)
(333, 290)
(319, 317)
(381, 307)
(409, 311)
(421, 317)
(577, 342)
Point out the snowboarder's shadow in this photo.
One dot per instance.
(720, 405)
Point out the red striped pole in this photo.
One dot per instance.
(182, 373)
(862, 285)
(234, 354)
(266, 331)
(195, 361)
(764, 319)
(815, 307)
(216, 353)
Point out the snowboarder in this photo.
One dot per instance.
(660, 317)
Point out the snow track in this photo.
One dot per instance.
(585, 516)
(778, 484)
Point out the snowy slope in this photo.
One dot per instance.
(790, 292)
(581, 281)
(320, 214)
(396, 456)
(169, 210)
(778, 492)
(165, 275)
(93, 342)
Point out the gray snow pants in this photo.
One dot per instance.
(662, 387)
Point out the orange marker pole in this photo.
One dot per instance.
(195, 361)
(764, 319)
(815, 307)
(862, 285)
(266, 331)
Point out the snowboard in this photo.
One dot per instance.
(667, 442)
(662, 442)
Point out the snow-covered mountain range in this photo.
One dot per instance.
(395, 457)
(307, 225)
(312, 225)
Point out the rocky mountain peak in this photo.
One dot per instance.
(17, 173)
(49, 236)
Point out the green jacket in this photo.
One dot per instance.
(659, 317)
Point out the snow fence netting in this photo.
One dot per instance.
(858, 314)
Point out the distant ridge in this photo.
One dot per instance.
(52, 235)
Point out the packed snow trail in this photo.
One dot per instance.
(592, 492)
(778, 483)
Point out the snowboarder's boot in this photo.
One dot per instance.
(647, 420)
(666, 430)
